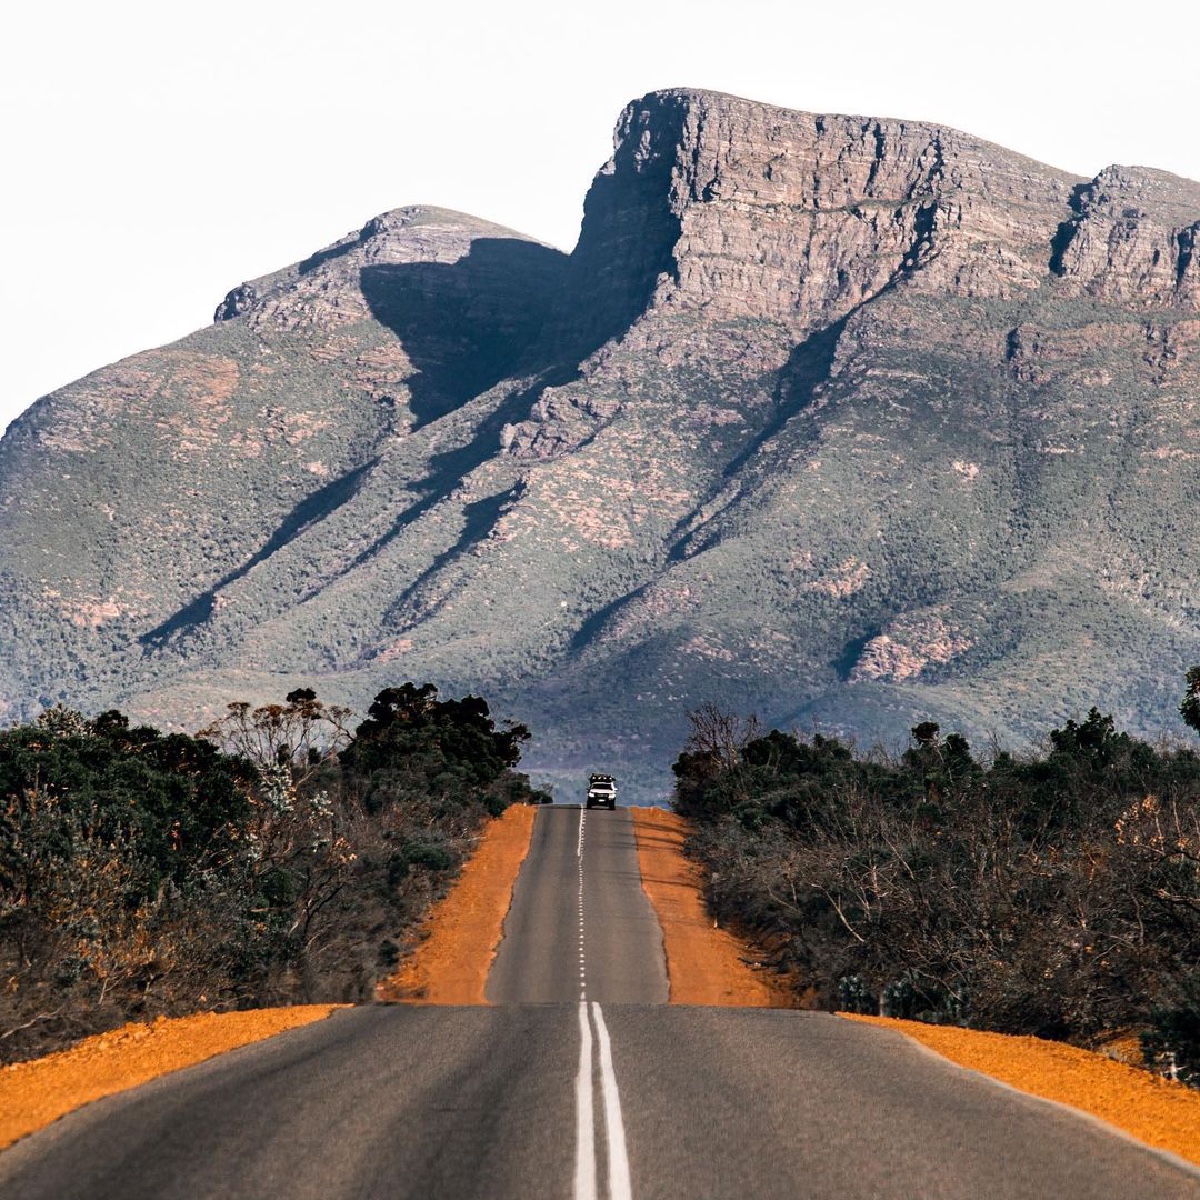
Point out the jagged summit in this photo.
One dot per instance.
(844, 420)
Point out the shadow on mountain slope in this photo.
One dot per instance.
(508, 307)
(447, 470)
(807, 369)
(479, 519)
(311, 509)
(469, 324)
(512, 307)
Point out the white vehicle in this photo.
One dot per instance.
(602, 792)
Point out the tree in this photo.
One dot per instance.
(274, 858)
(719, 734)
(1056, 894)
(1189, 709)
(409, 728)
(299, 735)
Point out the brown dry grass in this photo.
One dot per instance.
(1155, 1111)
(705, 965)
(33, 1094)
(461, 934)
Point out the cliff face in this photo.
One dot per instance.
(1132, 238)
(803, 218)
(842, 419)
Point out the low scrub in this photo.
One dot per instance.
(281, 855)
(1056, 894)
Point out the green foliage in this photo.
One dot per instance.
(456, 738)
(1189, 709)
(275, 857)
(855, 996)
(178, 799)
(424, 852)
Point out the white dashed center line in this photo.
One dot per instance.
(582, 959)
(619, 1186)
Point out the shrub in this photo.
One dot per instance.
(1055, 895)
(273, 858)
(1172, 1044)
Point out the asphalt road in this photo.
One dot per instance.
(545, 1095)
(580, 925)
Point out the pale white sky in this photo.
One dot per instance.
(155, 155)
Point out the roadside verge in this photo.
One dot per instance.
(461, 934)
(450, 967)
(1155, 1111)
(36, 1093)
(705, 965)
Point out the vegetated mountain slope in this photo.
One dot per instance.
(846, 420)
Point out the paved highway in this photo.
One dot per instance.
(614, 1095)
(580, 926)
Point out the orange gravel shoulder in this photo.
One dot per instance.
(462, 932)
(705, 965)
(709, 966)
(34, 1094)
(1156, 1111)
(450, 968)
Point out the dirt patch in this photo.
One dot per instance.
(33, 1094)
(705, 965)
(461, 934)
(1155, 1111)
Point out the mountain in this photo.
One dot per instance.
(853, 422)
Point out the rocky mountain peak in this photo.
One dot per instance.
(326, 286)
(1132, 237)
(836, 418)
(744, 210)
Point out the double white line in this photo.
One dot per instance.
(585, 1136)
(586, 1187)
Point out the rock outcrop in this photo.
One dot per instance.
(845, 420)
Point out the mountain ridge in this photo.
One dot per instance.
(845, 420)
